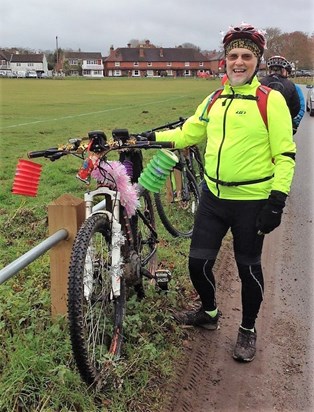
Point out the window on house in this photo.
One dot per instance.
(135, 64)
(117, 73)
(18, 64)
(117, 64)
(187, 73)
(73, 61)
(30, 64)
(136, 73)
(201, 64)
(169, 72)
(169, 64)
(149, 64)
(187, 64)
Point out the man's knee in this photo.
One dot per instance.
(200, 265)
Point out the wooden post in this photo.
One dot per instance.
(66, 212)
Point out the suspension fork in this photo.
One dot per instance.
(117, 237)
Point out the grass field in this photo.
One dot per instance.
(36, 367)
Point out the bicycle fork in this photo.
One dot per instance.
(117, 239)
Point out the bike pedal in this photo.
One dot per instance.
(162, 278)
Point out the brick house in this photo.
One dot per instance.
(86, 64)
(150, 61)
(217, 61)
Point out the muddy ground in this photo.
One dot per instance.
(281, 376)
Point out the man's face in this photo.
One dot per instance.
(240, 64)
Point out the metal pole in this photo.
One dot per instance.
(24, 260)
(57, 55)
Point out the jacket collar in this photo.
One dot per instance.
(247, 88)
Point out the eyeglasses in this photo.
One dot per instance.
(244, 56)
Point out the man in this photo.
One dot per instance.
(297, 119)
(249, 169)
(277, 79)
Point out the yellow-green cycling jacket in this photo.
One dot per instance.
(239, 147)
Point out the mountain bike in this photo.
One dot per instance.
(114, 249)
(177, 201)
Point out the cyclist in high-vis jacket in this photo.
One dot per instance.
(249, 169)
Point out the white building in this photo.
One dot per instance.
(86, 64)
(29, 62)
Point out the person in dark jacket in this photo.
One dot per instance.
(277, 79)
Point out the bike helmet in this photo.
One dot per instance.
(279, 61)
(245, 32)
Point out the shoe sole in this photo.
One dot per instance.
(246, 360)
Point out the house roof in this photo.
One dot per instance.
(131, 54)
(213, 56)
(4, 55)
(82, 55)
(27, 58)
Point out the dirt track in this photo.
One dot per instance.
(281, 376)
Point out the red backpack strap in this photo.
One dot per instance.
(262, 93)
(213, 98)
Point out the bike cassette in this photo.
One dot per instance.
(162, 278)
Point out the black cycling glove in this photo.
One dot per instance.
(150, 136)
(270, 216)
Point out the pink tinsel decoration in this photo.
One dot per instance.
(116, 177)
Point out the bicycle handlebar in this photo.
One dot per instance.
(42, 153)
(76, 148)
(171, 125)
(121, 140)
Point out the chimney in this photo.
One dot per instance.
(161, 52)
(141, 50)
(129, 45)
(111, 49)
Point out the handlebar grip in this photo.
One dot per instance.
(42, 153)
(164, 145)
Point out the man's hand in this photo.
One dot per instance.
(150, 136)
(270, 216)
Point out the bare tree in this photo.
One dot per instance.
(295, 46)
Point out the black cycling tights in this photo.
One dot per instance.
(252, 290)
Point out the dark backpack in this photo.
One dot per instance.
(262, 93)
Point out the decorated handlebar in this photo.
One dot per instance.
(93, 150)
(96, 142)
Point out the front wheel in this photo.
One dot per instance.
(95, 315)
(177, 203)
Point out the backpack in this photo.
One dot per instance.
(262, 93)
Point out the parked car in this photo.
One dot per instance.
(31, 74)
(310, 100)
(20, 73)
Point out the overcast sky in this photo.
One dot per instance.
(95, 25)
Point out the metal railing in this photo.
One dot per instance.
(8, 271)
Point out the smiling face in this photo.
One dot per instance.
(240, 65)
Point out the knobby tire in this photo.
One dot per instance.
(95, 317)
(178, 216)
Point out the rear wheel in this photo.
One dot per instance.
(145, 241)
(196, 164)
(177, 203)
(95, 315)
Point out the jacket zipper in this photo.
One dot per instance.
(223, 139)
